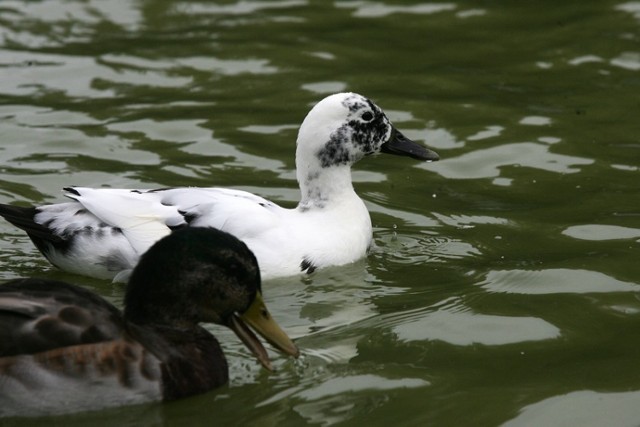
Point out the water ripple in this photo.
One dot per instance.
(554, 281)
(459, 326)
(600, 232)
(367, 9)
(585, 408)
(487, 163)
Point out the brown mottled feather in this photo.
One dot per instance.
(35, 319)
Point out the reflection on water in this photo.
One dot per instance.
(460, 327)
(552, 281)
(325, 88)
(584, 408)
(370, 9)
(487, 163)
(601, 232)
(535, 121)
(23, 74)
(325, 406)
(226, 67)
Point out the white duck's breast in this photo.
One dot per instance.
(307, 239)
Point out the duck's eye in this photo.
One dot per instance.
(367, 116)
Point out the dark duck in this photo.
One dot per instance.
(66, 349)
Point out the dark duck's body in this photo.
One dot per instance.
(65, 349)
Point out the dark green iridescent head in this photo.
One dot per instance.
(192, 275)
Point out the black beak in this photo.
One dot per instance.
(400, 145)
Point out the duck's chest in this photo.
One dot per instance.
(342, 228)
(318, 237)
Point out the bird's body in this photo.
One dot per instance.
(65, 349)
(102, 232)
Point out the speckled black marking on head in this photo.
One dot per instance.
(336, 151)
(366, 129)
(355, 103)
(136, 191)
(306, 266)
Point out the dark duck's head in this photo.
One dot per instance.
(203, 275)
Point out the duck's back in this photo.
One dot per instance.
(39, 315)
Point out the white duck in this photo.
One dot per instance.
(103, 232)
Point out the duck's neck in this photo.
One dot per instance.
(320, 187)
(322, 182)
(192, 359)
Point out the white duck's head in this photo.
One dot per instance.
(340, 130)
(344, 127)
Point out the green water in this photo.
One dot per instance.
(505, 285)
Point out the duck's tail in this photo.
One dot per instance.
(24, 218)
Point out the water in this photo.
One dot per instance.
(504, 286)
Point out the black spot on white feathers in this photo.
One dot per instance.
(178, 226)
(364, 132)
(188, 217)
(355, 102)
(71, 190)
(336, 151)
(307, 266)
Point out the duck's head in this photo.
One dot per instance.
(205, 275)
(344, 127)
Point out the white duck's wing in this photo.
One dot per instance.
(238, 212)
(103, 231)
(140, 215)
(145, 216)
